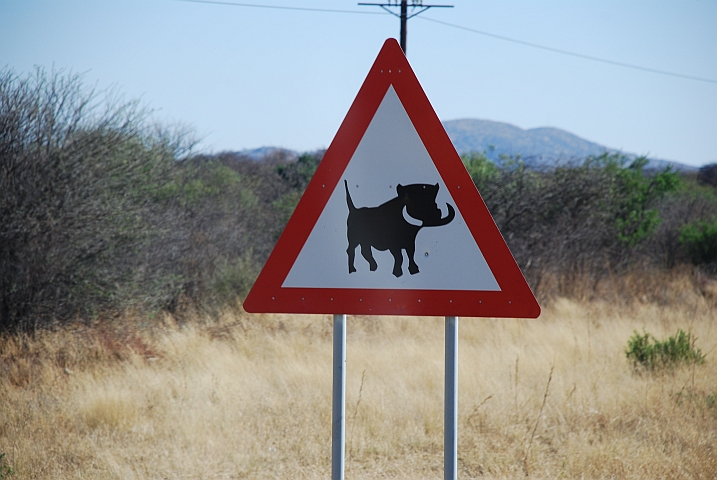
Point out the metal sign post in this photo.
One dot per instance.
(450, 412)
(338, 417)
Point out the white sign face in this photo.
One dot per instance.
(390, 153)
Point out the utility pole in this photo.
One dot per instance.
(403, 15)
(404, 24)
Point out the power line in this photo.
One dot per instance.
(280, 7)
(472, 30)
(572, 54)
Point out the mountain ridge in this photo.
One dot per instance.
(541, 146)
(538, 147)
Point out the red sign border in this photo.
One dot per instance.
(514, 300)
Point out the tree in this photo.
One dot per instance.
(77, 174)
(579, 218)
(700, 241)
(707, 174)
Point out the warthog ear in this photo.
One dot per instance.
(434, 190)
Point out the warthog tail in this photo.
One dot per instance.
(349, 202)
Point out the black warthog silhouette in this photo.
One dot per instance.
(387, 227)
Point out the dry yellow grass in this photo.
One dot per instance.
(250, 397)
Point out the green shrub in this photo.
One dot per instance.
(480, 168)
(635, 192)
(576, 218)
(298, 174)
(645, 351)
(699, 239)
(234, 278)
(5, 469)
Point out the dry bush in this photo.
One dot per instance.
(707, 174)
(229, 211)
(78, 170)
(249, 396)
(580, 223)
(104, 211)
(640, 284)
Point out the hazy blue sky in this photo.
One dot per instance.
(247, 77)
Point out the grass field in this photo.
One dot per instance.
(250, 396)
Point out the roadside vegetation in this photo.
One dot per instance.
(125, 353)
(104, 211)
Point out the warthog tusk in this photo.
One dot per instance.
(409, 219)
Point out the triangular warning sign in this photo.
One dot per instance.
(391, 223)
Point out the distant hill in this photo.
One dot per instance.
(538, 146)
(262, 152)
